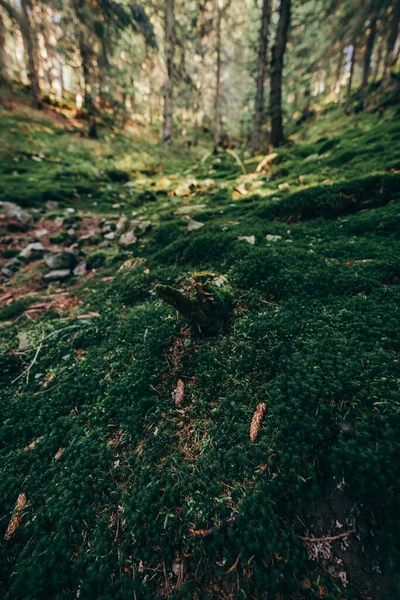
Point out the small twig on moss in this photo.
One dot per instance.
(329, 538)
(29, 367)
(235, 564)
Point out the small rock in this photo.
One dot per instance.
(59, 221)
(128, 238)
(110, 236)
(250, 239)
(33, 251)
(63, 259)
(144, 225)
(193, 225)
(40, 233)
(123, 220)
(23, 342)
(7, 272)
(273, 238)
(13, 211)
(70, 211)
(284, 186)
(51, 205)
(57, 275)
(13, 265)
(80, 269)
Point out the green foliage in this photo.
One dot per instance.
(312, 330)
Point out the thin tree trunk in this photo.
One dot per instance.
(278, 52)
(261, 69)
(217, 99)
(85, 63)
(27, 34)
(378, 61)
(167, 133)
(347, 107)
(391, 43)
(367, 60)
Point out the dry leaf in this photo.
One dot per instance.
(179, 393)
(59, 453)
(256, 420)
(16, 517)
(33, 444)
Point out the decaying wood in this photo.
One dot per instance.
(192, 310)
(256, 420)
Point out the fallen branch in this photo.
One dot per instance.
(329, 538)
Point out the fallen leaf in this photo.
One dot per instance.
(59, 453)
(33, 444)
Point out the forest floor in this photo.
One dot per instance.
(125, 432)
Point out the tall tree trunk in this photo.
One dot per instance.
(347, 107)
(261, 68)
(167, 132)
(5, 84)
(85, 63)
(217, 98)
(367, 60)
(278, 52)
(391, 43)
(27, 35)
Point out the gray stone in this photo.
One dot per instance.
(127, 239)
(51, 205)
(110, 236)
(13, 265)
(33, 251)
(7, 272)
(80, 269)
(62, 259)
(57, 275)
(272, 238)
(41, 233)
(13, 211)
(70, 211)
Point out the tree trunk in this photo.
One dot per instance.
(391, 43)
(367, 61)
(167, 132)
(85, 62)
(5, 84)
(261, 68)
(217, 99)
(347, 107)
(278, 52)
(27, 35)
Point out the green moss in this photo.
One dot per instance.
(15, 309)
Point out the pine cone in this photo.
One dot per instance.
(16, 517)
(179, 393)
(256, 420)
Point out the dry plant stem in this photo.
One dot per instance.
(330, 538)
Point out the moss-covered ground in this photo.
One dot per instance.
(130, 496)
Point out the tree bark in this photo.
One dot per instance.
(217, 98)
(367, 60)
(347, 107)
(391, 43)
(27, 35)
(261, 71)
(5, 84)
(167, 133)
(278, 53)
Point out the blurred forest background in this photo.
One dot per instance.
(232, 70)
